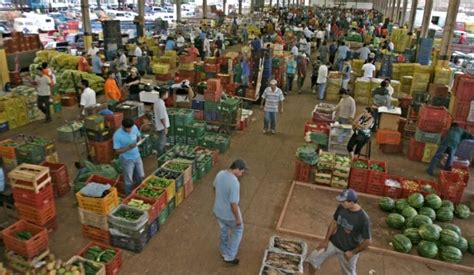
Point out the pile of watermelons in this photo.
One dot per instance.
(416, 217)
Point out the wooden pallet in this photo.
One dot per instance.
(30, 177)
(21, 264)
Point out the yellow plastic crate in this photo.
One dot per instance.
(161, 68)
(429, 152)
(171, 54)
(187, 67)
(99, 205)
(179, 196)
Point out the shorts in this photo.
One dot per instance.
(316, 259)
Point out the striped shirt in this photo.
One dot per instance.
(272, 99)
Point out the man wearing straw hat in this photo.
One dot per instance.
(272, 99)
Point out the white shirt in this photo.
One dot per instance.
(138, 52)
(390, 89)
(294, 50)
(93, 51)
(369, 70)
(43, 85)
(307, 32)
(180, 42)
(322, 74)
(320, 35)
(88, 98)
(391, 46)
(159, 110)
(206, 46)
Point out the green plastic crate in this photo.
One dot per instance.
(30, 153)
(184, 117)
(210, 106)
(427, 137)
(180, 140)
(164, 215)
(196, 129)
(230, 104)
(171, 206)
(180, 131)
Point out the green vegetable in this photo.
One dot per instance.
(416, 200)
(139, 204)
(395, 221)
(429, 232)
(150, 192)
(128, 214)
(377, 167)
(444, 214)
(23, 235)
(401, 243)
(97, 254)
(427, 249)
(158, 182)
(360, 164)
(450, 254)
(433, 201)
(462, 211)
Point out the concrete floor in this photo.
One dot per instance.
(188, 242)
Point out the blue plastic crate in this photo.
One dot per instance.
(197, 105)
(211, 116)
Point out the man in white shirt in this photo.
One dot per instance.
(303, 44)
(180, 42)
(93, 50)
(206, 47)
(43, 86)
(122, 61)
(322, 79)
(162, 121)
(308, 33)
(294, 50)
(391, 46)
(369, 69)
(319, 37)
(88, 98)
(138, 51)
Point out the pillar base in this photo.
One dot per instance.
(87, 41)
(4, 75)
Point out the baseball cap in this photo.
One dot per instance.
(239, 164)
(347, 195)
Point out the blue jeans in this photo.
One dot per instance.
(230, 238)
(269, 120)
(161, 142)
(439, 154)
(322, 90)
(132, 171)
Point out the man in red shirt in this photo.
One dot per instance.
(462, 39)
(193, 51)
(83, 64)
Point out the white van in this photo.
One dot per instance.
(121, 15)
(43, 22)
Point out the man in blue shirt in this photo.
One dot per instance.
(245, 71)
(227, 211)
(126, 145)
(96, 65)
(343, 50)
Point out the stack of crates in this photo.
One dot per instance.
(194, 132)
(126, 233)
(99, 137)
(8, 152)
(23, 253)
(464, 94)
(376, 179)
(215, 141)
(228, 111)
(211, 67)
(93, 211)
(162, 71)
(186, 69)
(439, 95)
(341, 173)
(362, 91)
(198, 107)
(14, 111)
(33, 194)
(325, 168)
(158, 213)
(59, 178)
(179, 119)
(359, 175)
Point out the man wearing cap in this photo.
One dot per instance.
(348, 234)
(227, 211)
(272, 98)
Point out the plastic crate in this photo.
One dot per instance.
(165, 213)
(428, 186)
(358, 182)
(99, 205)
(114, 121)
(316, 127)
(30, 248)
(78, 259)
(406, 192)
(464, 172)
(113, 266)
(188, 188)
(451, 186)
(377, 177)
(33, 214)
(96, 234)
(101, 151)
(161, 200)
(426, 137)
(132, 243)
(153, 228)
(93, 219)
(392, 191)
(391, 148)
(384, 136)
(375, 188)
(179, 196)
(31, 154)
(155, 207)
(187, 173)
(127, 226)
(415, 150)
(302, 171)
(167, 174)
(170, 189)
(30, 177)
(171, 206)
(40, 199)
(58, 172)
(7, 150)
(432, 119)
(463, 87)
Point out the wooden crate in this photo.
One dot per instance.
(29, 176)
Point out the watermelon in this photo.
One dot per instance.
(427, 249)
(401, 204)
(429, 232)
(419, 220)
(462, 244)
(409, 222)
(416, 200)
(387, 204)
(462, 211)
(450, 254)
(428, 212)
(395, 220)
(401, 243)
(453, 227)
(470, 242)
(449, 237)
(439, 228)
(444, 214)
(409, 212)
(412, 234)
(433, 201)
(447, 203)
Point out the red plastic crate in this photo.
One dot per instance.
(61, 189)
(212, 96)
(316, 127)
(101, 151)
(358, 183)
(51, 225)
(37, 244)
(407, 192)
(198, 115)
(114, 121)
(451, 186)
(96, 234)
(463, 87)
(185, 59)
(431, 183)
(155, 209)
(432, 119)
(112, 267)
(392, 191)
(101, 180)
(461, 110)
(374, 188)
(415, 150)
(391, 148)
(404, 102)
(33, 214)
(161, 201)
(302, 171)
(58, 172)
(164, 77)
(188, 188)
(211, 68)
(384, 136)
(120, 185)
(40, 199)
(462, 171)
(376, 177)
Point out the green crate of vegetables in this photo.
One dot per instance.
(230, 104)
(30, 153)
(164, 214)
(210, 106)
(342, 166)
(326, 160)
(183, 117)
(195, 130)
(308, 154)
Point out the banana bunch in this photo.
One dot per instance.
(66, 80)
